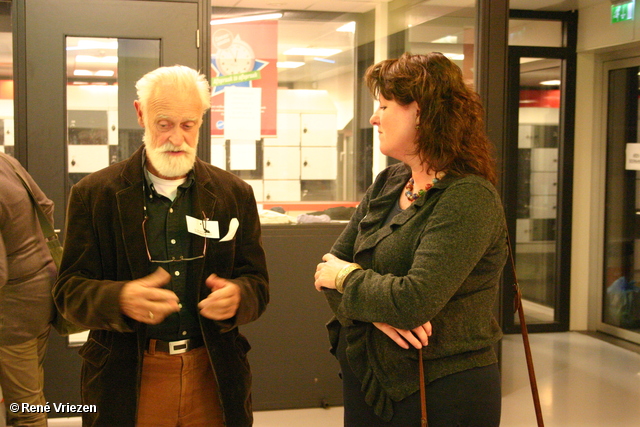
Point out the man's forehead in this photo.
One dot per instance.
(176, 108)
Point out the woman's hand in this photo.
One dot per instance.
(418, 337)
(327, 271)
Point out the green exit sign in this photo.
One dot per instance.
(622, 11)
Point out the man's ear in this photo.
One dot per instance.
(138, 108)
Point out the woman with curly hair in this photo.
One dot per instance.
(418, 265)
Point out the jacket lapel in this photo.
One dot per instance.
(131, 214)
(203, 204)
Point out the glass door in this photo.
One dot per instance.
(538, 143)
(620, 290)
(538, 181)
(76, 74)
(76, 64)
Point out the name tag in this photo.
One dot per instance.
(207, 229)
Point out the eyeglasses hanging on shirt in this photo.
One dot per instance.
(202, 223)
(181, 258)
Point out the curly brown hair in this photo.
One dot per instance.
(451, 134)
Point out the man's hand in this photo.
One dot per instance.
(144, 300)
(223, 301)
(417, 337)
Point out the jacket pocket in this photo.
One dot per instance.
(94, 353)
(242, 344)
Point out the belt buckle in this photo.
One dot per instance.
(178, 347)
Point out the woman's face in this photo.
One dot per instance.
(396, 127)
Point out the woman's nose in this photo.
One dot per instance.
(374, 120)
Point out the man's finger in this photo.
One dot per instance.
(157, 279)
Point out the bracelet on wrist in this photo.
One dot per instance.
(343, 273)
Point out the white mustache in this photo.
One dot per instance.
(168, 147)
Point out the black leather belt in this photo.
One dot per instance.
(175, 347)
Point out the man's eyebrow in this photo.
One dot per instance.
(186, 119)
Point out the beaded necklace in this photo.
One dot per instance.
(411, 196)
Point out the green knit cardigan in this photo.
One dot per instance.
(440, 260)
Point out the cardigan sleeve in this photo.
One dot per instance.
(464, 225)
(343, 248)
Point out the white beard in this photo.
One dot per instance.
(167, 165)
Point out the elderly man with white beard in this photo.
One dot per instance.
(162, 262)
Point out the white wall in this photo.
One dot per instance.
(340, 90)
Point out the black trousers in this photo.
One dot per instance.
(470, 398)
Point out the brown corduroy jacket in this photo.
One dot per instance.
(104, 249)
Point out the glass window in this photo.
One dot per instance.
(525, 32)
(289, 112)
(101, 74)
(538, 144)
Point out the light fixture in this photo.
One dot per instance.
(304, 51)
(88, 44)
(289, 64)
(447, 39)
(82, 73)
(101, 59)
(249, 18)
(104, 73)
(454, 56)
(551, 83)
(348, 28)
(328, 61)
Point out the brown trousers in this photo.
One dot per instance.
(179, 390)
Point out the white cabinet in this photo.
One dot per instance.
(305, 146)
(319, 163)
(544, 183)
(282, 190)
(281, 163)
(318, 130)
(544, 159)
(301, 159)
(288, 128)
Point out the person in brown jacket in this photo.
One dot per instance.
(162, 262)
(27, 273)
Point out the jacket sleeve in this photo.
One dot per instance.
(463, 227)
(81, 293)
(250, 267)
(4, 268)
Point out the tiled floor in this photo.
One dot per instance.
(583, 382)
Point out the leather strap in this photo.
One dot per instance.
(423, 391)
(525, 337)
(174, 347)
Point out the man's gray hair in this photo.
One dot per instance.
(179, 78)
